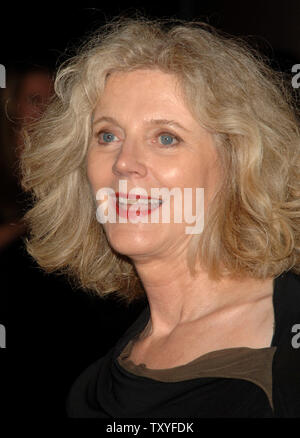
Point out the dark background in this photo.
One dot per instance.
(43, 32)
(54, 331)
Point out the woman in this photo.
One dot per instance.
(147, 105)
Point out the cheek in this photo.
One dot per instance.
(172, 176)
(186, 176)
(203, 171)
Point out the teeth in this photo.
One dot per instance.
(155, 201)
(126, 201)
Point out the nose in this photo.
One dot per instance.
(130, 160)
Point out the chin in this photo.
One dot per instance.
(131, 241)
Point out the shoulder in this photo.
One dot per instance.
(286, 362)
(286, 301)
(81, 401)
(288, 283)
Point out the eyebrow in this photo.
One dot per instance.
(150, 122)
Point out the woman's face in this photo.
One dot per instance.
(145, 136)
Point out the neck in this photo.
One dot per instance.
(176, 297)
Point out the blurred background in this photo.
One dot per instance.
(53, 331)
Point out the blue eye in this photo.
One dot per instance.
(107, 137)
(168, 139)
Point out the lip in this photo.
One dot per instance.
(134, 196)
(132, 211)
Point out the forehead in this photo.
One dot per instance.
(154, 77)
(143, 90)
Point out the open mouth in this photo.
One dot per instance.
(135, 204)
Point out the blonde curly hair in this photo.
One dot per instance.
(253, 227)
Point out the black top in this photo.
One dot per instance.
(110, 388)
